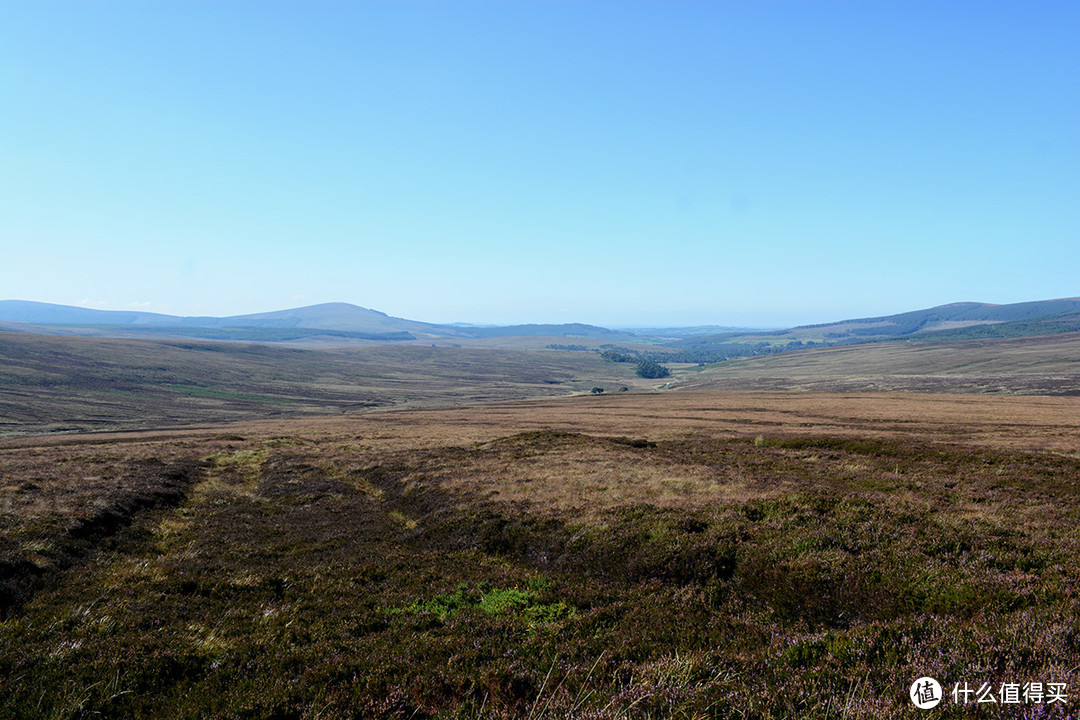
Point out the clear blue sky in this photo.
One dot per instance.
(619, 163)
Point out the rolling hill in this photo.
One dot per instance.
(343, 324)
(67, 384)
(338, 321)
(955, 321)
(1042, 365)
(327, 316)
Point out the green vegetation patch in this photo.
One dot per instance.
(239, 459)
(519, 601)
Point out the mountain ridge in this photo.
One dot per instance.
(338, 319)
(953, 321)
(347, 322)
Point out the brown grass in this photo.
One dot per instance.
(1028, 422)
(680, 550)
(1043, 365)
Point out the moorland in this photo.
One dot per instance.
(707, 554)
(194, 529)
(68, 384)
(56, 383)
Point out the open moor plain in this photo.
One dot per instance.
(679, 554)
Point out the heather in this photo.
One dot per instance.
(451, 566)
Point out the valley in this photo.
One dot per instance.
(471, 529)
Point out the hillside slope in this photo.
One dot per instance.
(1045, 365)
(339, 321)
(333, 316)
(955, 321)
(50, 383)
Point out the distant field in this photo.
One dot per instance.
(1045, 365)
(69, 384)
(50, 384)
(687, 554)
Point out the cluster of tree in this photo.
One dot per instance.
(703, 352)
(651, 369)
(621, 356)
(712, 355)
(1068, 322)
(648, 364)
(718, 352)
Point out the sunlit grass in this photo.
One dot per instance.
(459, 568)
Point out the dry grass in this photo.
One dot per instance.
(68, 384)
(671, 554)
(1045, 365)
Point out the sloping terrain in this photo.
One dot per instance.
(326, 316)
(337, 321)
(28, 311)
(955, 321)
(332, 316)
(958, 315)
(50, 383)
(345, 324)
(1047, 365)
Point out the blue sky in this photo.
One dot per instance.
(619, 163)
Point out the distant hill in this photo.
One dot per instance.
(956, 321)
(345, 323)
(1052, 325)
(333, 316)
(956, 315)
(327, 316)
(1041, 365)
(333, 321)
(26, 311)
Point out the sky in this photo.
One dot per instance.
(618, 163)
